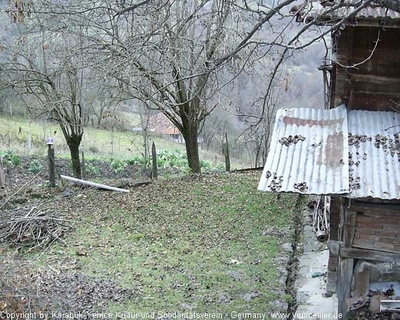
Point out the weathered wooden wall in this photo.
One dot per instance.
(378, 231)
(368, 230)
(372, 84)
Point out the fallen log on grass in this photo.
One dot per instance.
(93, 184)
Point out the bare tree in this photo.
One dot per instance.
(42, 59)
(169, 54)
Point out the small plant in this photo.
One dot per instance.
(35, 166)
(131, 162)
(92, 169)
(118, 165)
(171, 159)
(205, 165)
(10, 158)
(220, 167)
(138, 160)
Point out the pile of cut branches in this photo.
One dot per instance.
(32, 227)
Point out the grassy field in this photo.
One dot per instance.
(208, 244)
(97, 144)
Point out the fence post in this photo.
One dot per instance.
(226, 154)
(29, 144)
(2, 176)
(83, 165)
(50, 155)
(154, 160)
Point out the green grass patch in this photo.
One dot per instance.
(17, 134)
(208, 244)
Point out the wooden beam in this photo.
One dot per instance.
(366, 254)
(336, 248)
(345, 273)
(349, 72)
(376, 79)
(349, 227)
(360, 206)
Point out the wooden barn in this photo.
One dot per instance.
(350, 150)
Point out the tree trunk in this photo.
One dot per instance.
(192, 150)
(73, 142)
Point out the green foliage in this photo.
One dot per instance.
(138, 160)
(118, 165)
(10, 158)
(205, 165)
(92, 169)
(177, 159)
(35, 166)
(213, 243)
(171, 159)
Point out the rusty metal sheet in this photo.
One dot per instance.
(374, 154)
(308, 153)
(354, 153)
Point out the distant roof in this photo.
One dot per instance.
(351, 153)
(371, 14)
(161, 124)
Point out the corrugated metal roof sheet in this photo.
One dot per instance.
(347, 8)
(374, 154)
(307, 153)
(355, 153)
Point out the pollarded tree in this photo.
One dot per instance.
(43, 59)
(169, 54)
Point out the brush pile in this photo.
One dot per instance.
(32, 227)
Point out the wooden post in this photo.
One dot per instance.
(154, 160)
(226, 154)
(349, 230)
(29, 144)
(2, 177)
(83, 166)
(345, 265)
(345, 273)
(112, 140)
(50, 155)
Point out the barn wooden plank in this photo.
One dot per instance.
(345, 273)
(357, 253)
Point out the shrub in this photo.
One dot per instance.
(205, 165)
(138, 160)
(10, 158)
(35, 166)
(171, 159)
(92, 169)
(118, 165)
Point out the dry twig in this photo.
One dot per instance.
(32, 228)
